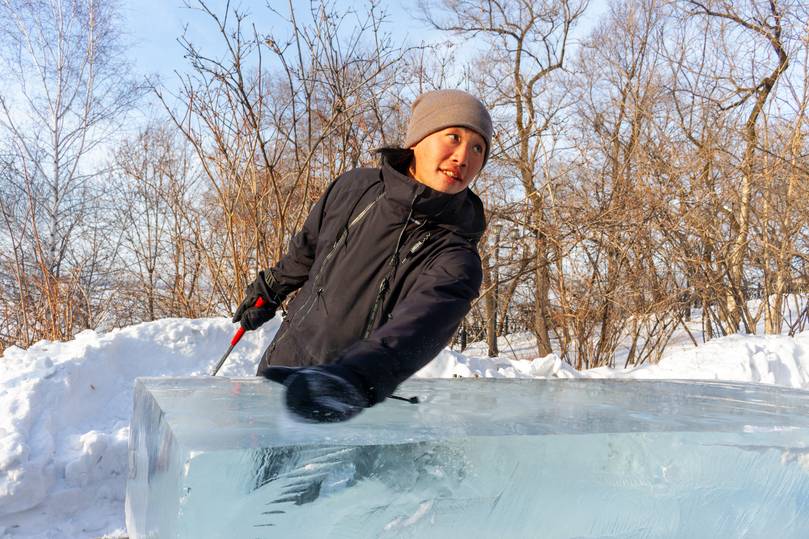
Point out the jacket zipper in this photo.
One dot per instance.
(380, 295)
(394, 263)
(317, 291)
(383, 287)
(343, 234)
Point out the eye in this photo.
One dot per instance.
(454, 137)
(478, 148)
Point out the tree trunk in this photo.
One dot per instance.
(542, 300)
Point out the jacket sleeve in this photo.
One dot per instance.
(422, 323)
(292, 271)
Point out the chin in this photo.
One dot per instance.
(450, 187)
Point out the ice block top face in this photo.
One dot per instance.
(220, 413)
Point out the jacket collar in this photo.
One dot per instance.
(462, 213)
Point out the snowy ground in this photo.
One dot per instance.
(66, 406)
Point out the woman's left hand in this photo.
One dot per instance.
(322, 394)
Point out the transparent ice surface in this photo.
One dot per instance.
(217, 458)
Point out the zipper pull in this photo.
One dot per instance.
(418, 244)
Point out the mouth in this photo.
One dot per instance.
(452, 174)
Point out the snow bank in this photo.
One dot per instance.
(449, 364)
(65, 421)
(66, 406)
(767, 359)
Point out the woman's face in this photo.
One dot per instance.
(448, 160)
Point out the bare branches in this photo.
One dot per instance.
(275, 118)
(531, 38)
(67, 89)
(647, 169)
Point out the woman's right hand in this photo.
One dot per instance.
(250, 316)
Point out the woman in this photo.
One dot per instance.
(386, 263)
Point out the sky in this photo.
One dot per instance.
(153, 29)
(154, 26)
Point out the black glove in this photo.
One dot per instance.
(322, 394)
(251, 316)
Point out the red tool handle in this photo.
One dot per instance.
(259, 303)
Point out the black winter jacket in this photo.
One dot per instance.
(387, 268)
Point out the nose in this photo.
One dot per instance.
(461, 154)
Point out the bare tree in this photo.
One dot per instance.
(159, 222)
(66, 89)
(275, 120)
(527, 42)
(748, 92)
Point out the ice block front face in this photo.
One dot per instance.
(213, 458)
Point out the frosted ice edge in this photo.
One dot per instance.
(153, 456)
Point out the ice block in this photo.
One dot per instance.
(221, 458)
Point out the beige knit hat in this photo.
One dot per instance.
(439, 109)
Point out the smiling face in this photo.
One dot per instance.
(448, 160)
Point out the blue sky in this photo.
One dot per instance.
(153, 27)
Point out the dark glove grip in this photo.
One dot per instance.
(237, 337)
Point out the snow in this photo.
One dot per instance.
(768, 359)
(66, 405)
